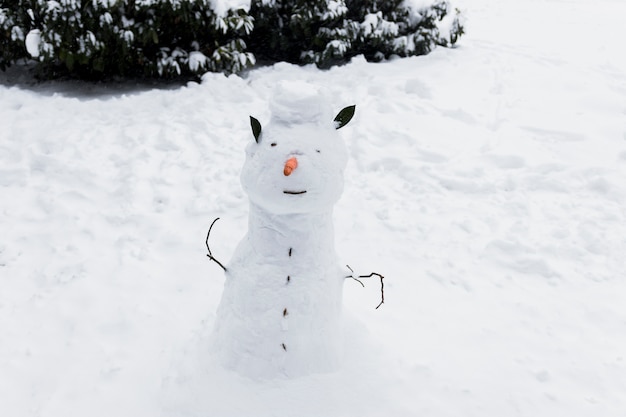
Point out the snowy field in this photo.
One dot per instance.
(487, 183)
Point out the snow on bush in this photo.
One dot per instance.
(170, 38)
(331, 32)
(102, 38)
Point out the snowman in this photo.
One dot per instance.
(280, 312)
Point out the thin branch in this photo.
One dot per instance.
(382, 285)
(352, 276)
(359, 281)
(210, 255)
(382, 291)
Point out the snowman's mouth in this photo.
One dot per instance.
(294, 192)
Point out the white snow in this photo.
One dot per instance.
(221, 7)
(486, 182)
(417, 5)
(197, 60)
(32, 42)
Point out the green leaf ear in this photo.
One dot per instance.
(256, 128)
(344, 117)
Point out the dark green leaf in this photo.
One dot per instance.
(256, 128)
(69, 61)
(344, 117)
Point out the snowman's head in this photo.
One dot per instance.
(296, 164)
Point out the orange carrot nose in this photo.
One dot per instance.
(290, 166)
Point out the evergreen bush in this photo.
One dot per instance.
(97, 39)
(329, 32)
(130, 38)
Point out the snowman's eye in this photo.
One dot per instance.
(318, 151)
(273, 144)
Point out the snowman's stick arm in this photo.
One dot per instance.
(210, 255)
(382, 284)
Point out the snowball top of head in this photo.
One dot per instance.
(301, 134)
(295, 102)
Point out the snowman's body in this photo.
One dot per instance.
(280, 312)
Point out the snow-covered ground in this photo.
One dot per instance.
(487, 183)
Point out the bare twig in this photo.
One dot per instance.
(382, 285)
(352, 276)
(210, 255)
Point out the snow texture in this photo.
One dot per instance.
(486, 182)
(221, 7)
(33, 41)
(417, 5)
(280, 313)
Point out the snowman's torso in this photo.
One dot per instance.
(280, 312)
